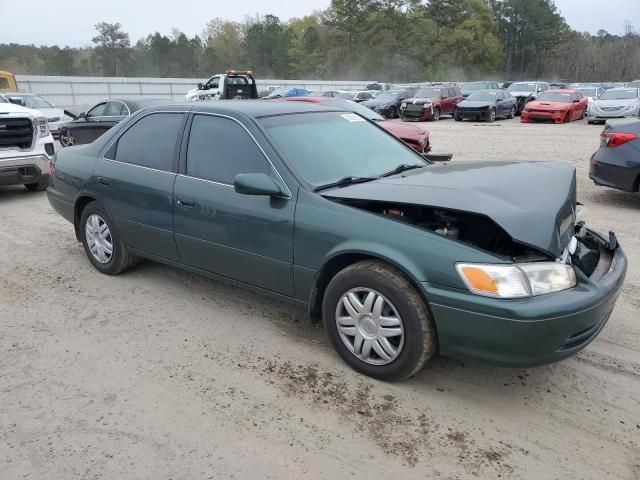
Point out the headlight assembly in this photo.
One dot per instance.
(43, 126)
(516, 280)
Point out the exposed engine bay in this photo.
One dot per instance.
(474, 229)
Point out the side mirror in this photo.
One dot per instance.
(200, 86)
(256, 184)
(539, 89)
(82, 115)
(576, 100)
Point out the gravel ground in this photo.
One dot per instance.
(161, 374)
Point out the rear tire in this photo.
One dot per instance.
(120, 258)
(39, 186)
(395, 322)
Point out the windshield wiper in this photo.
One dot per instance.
(401, 168)
(344, 181)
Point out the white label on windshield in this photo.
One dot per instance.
(352, 117)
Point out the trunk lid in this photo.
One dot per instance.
(534, 202)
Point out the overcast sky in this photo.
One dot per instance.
(71, 22)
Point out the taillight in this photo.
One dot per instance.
(616, 139)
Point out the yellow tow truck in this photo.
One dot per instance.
(7, 82)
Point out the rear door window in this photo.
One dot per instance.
(219, 149)
(116, 109)
(151, 141)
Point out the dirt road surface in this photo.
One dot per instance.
(161, 374)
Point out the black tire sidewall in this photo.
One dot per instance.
(113, 266)
(414, 337)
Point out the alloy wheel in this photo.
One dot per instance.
(99, 238)
(370, 326)
(67, 139)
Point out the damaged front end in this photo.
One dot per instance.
(473, 229)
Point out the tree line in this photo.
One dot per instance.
(387, 40)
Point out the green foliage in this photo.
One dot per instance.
(387, 40)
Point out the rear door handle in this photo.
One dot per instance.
(185, 202)
(104, 182)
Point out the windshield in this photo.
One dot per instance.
(588, 92)
(472, 87)
(619, 94)
(483, 96)
(327, 146)
(555, 97)
(428, 93)
(346, 95)
(522, 87)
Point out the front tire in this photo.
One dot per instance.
(492, 116)
(102, 243)
(436, 115)
(393, 113)
(512, 113)
(377, 321)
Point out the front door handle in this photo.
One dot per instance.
(103, 182)
(186, 202)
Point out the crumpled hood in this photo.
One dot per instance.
(534, 202)
(521, 94)
(419, 100)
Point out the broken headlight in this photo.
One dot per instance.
(516, 280)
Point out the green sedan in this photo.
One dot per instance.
(399, 257)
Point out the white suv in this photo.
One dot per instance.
(26, 146)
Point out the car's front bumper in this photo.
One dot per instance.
(19, 170)
(601, 116)
(540, 116)
(476, 114)
(526, 332)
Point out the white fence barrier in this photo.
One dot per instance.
(76, 91)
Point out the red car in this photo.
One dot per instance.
(429, 103)
(416, 137)
(558, 106)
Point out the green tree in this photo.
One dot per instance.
(112, 48)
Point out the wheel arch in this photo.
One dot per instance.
(341, 260)
(81, 202)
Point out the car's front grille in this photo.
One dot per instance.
(414, 108)
(16, 132)
(611, 109)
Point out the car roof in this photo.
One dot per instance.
(252, 108)
(560, 90)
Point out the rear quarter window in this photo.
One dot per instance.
(151, 141)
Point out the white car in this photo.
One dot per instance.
(229, 85)
(26, 147)
(615, 103)
(55, 116)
